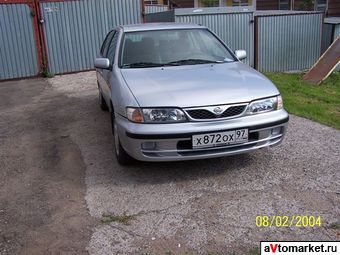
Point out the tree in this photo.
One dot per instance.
(210, 3)
(307, 5)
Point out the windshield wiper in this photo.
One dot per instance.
(192, 61)
(142, 65)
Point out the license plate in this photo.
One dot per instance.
(220, 138)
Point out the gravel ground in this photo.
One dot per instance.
(199, 207)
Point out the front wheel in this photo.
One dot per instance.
(122, 157)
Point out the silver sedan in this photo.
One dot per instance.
(177, 92)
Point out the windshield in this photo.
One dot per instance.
(172, 47)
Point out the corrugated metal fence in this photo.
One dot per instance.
(327, 37)
(64, 34)
(153, 8)
(336, 35)
(74, 30)
(167, 16)
(336, 31)
(288, 41)
(234, 28)
(18, 52)
(278, 41)
(331, 31)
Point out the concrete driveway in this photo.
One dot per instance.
(63, 191)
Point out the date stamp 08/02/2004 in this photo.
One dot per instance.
(300, 221)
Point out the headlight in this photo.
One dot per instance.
(134, 114)
(155, 115)
(265, 105)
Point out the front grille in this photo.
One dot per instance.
(203, 114)
(233, 111)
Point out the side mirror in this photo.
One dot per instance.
(241, 54)
(102, 63)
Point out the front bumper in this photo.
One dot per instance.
(172, 142)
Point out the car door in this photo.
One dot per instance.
(103, 52)
(107, 74)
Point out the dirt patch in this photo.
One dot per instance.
(42, 186)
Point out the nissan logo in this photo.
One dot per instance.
(218, 110)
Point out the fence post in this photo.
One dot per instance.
(42, 44)
(256, 43)
(143, 10)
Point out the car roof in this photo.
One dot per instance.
(159, 26)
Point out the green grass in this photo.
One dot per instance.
(335, 225)
(124, 219)
(254, 251)
(46, 73)
(320, 103)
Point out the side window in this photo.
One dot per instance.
(106, 43)
(112, 48)
(284, 4)
(321, 5)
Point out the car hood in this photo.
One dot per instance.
(197, 85)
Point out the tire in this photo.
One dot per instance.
(102, 103)
(122, 157)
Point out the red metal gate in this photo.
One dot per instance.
(39, 38)
(14, 11)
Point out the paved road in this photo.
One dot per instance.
(58, 178)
